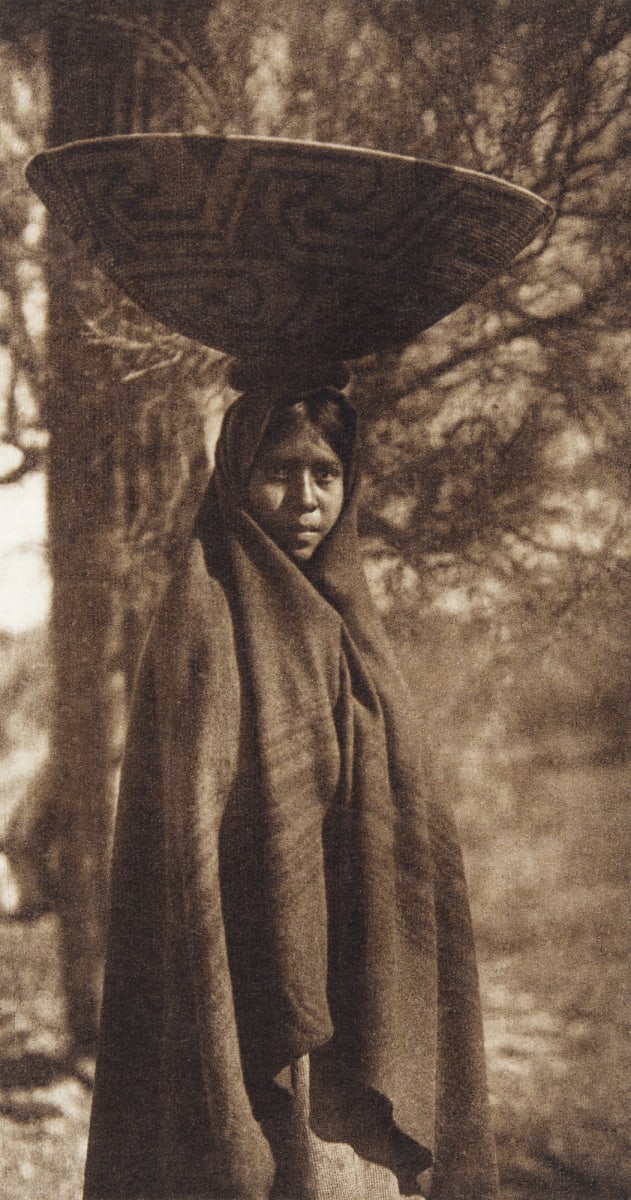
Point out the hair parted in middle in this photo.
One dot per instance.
(325, 410)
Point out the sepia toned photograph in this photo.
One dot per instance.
(315, 599)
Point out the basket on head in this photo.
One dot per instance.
(262, 247)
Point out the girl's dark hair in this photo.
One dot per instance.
(329, 414)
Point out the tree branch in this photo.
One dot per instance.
(33, 458)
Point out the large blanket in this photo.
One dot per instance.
(284, 883)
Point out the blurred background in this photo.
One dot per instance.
(496, 522)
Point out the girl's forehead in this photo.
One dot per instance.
(304, 441)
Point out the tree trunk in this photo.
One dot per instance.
(96, 89)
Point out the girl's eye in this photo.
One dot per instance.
(276, 475)
(326, 475)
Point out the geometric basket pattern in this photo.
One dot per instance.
(262, 246)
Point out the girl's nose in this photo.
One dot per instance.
(308, 497)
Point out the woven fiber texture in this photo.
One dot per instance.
(255, 246)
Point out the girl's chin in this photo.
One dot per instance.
(300, 554)
(299, 546)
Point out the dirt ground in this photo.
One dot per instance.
(557, 1020)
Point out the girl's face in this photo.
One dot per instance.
(296, 491)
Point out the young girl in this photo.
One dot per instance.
(291, 1005)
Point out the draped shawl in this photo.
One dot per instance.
(284, 883)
